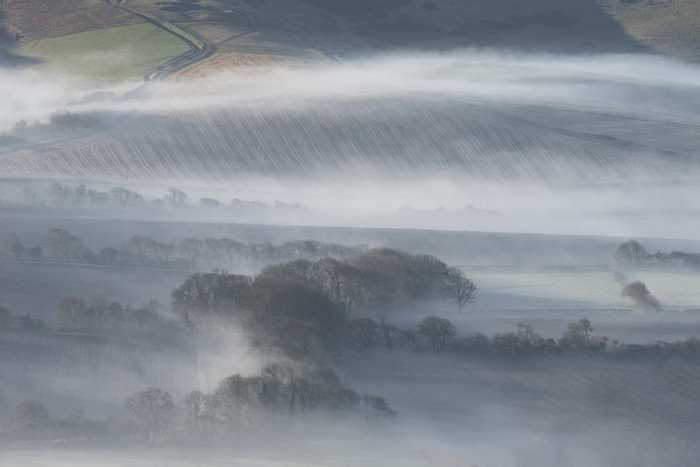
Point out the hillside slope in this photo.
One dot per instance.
(370, 140)
(338, 27)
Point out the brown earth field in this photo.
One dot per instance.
(663, 26)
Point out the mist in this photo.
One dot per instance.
(651, 195)
(523, 171)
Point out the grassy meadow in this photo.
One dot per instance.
(113, 54)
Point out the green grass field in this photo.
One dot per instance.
(112, 54)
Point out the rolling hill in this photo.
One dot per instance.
(365, 140)
(418, 137)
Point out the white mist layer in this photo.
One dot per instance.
(620, 83)
(663, 88)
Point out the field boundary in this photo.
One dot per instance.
(200, 48)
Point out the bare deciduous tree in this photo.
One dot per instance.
(579, 337)
(362, 334)
(191, 249)
(439, 332)
(457, 287)
(61, 243)
(152, 410)
(631, 253)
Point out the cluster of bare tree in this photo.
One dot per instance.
(239, 406)
(60, 195)
(140, 250)
(301, 307)
(75, 313)
(436, 334)
(631, 254)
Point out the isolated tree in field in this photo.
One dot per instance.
(457, 287)
(643, 298)
(152, 409)
(631, 253)
(439, 332)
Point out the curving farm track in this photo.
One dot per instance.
(200, 48)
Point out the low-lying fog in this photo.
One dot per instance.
(564, 409)
(643, 93)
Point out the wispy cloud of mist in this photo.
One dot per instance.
(653, 86)
(620, 83)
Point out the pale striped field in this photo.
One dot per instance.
(399, 139)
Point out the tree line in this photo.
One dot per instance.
(632, 254)
(142, 251)
(60, 195)
(302, 308)
(439, 335)
(280, 396)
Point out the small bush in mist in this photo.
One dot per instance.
(644, 300)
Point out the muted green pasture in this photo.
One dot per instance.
(113, 54)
